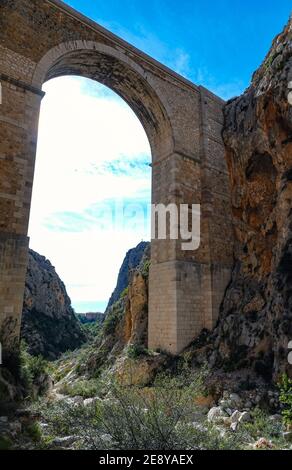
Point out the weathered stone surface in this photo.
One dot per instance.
(49, 325)
(288, 436)
(126, 323)
(235, 400)
(91, 401)
(136, 314)
(216, 414)
(141, 373)
(130, 263)
(235, 416)
(244, 417)
(64, 441)
(255, 323)
(234, 426)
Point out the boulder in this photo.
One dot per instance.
(234, 426)
(287, 436)
(64, 441)
(91, 401)
(216, 414)
(235, 400)
(245, 417)
(235, 416)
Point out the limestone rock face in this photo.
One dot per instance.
(130, 263)
(136, 316)
(49, 325)
(126, 321)
(255, 323)
(132, 327)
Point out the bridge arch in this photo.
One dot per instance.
(119, 72)
(183, 123)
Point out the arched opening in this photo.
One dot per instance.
(107, 66)
(119, 72)
(92, 187)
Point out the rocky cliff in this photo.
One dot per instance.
(130, 263)
(49, 326)
(126, 322)
(132, 321)
(255, 323)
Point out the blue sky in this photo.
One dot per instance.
(92, 183)
(218, 44)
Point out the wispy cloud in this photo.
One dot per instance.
(109, 215)
(137, 167)
(226, 90)
(181, 63)
(177, 59)
(92, 152)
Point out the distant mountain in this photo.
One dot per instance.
(91, 317)
(49, 325)
(130, 263)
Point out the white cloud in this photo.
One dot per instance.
(181, 62)
(91, 148)
(88, 262)
(177, 59)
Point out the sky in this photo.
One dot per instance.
(91, 188)
(218, 44)
(92, 183)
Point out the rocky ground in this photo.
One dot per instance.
(67, 398)
(230, 421)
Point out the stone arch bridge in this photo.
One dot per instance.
(40, 40)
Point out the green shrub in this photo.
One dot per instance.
(31, 367)
(110, 324)
(145, 268)
(91, 330)
(155, 418)
(134, 351)
(112, 319)
(158, 418)
(262, 426)
(83, 388)
(5, 443)
(59, 373)
(124, 293)
(34, 432)
(286, 398)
